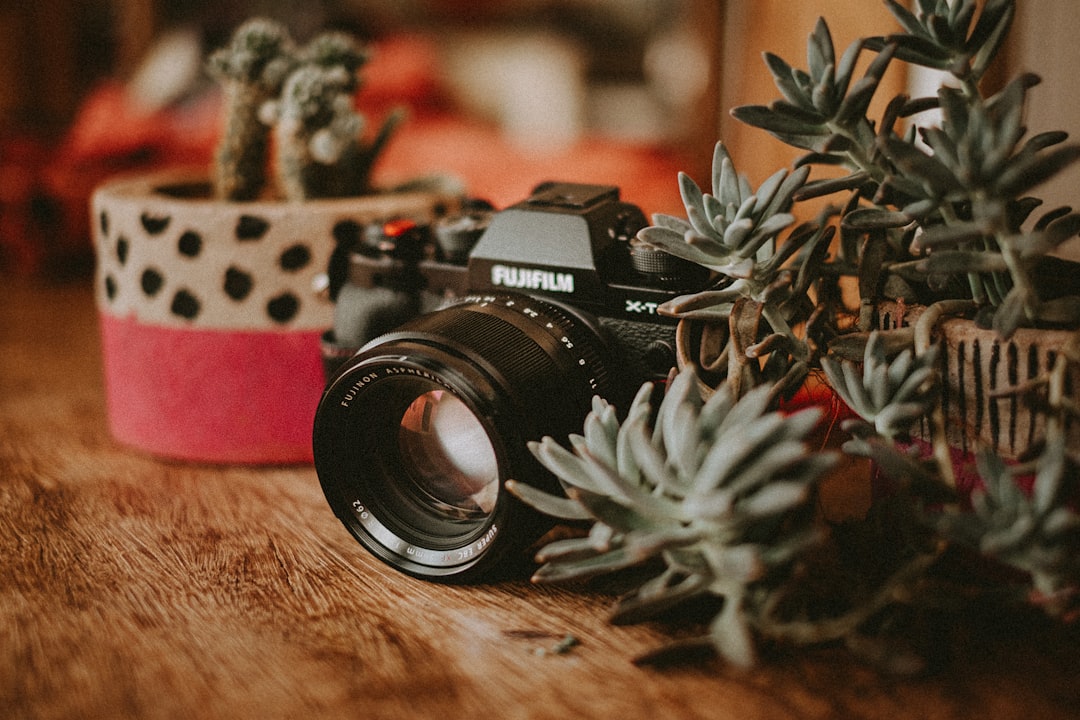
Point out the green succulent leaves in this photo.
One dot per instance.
(731, 230)
(976, 154)
(1037, 532)
(716, 497)
(720, 491)
(971, 183)
(821, 108)
(964, 181)
(942, 34)
(735, 232)
(891, 396)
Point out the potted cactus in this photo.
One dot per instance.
(714, 494)
(210, 323)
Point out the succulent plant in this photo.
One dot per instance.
(972, 185)
(945, 35)
(891, 393)
(822, 110)
(1037, 532)
(251, 68)
(889, 396)
(734, 232)
(721, 493)
(729, 231)
(951, 198)
(717, 499)
(714, 497)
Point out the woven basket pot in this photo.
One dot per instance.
(210, 325)
(981, 372)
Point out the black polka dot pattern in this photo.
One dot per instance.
(283, 308)
(190, 244)
(185, 305)
(295, 258)
(250, 227)
(198, 264)
(238, 283)
(151, 282)
(154, 224)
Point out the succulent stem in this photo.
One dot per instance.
(924, 328)
(806, 632)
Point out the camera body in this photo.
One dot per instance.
(456, 345)
(572, 243)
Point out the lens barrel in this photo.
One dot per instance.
(416, 435)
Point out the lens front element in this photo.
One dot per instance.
(447, 456)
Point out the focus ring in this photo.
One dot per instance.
(578, 337)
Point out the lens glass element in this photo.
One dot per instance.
(446, 453)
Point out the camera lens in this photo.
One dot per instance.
(417, 434)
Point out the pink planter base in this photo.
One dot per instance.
(212, 396)
(209, 322)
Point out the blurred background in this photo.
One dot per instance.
(501, 93)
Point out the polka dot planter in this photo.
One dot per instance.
(209, 322)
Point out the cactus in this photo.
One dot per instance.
(303, 100)
(316, 128)
(320, 153)
(251, 69)
(336, 49)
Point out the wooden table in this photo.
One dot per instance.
(134, 587)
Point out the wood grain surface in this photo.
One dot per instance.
(136, 588)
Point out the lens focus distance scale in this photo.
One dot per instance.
(562, 324)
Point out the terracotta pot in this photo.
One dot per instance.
(980, 370)
(210, 325)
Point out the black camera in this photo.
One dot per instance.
(542, 306)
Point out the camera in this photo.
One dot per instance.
(456, 343)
